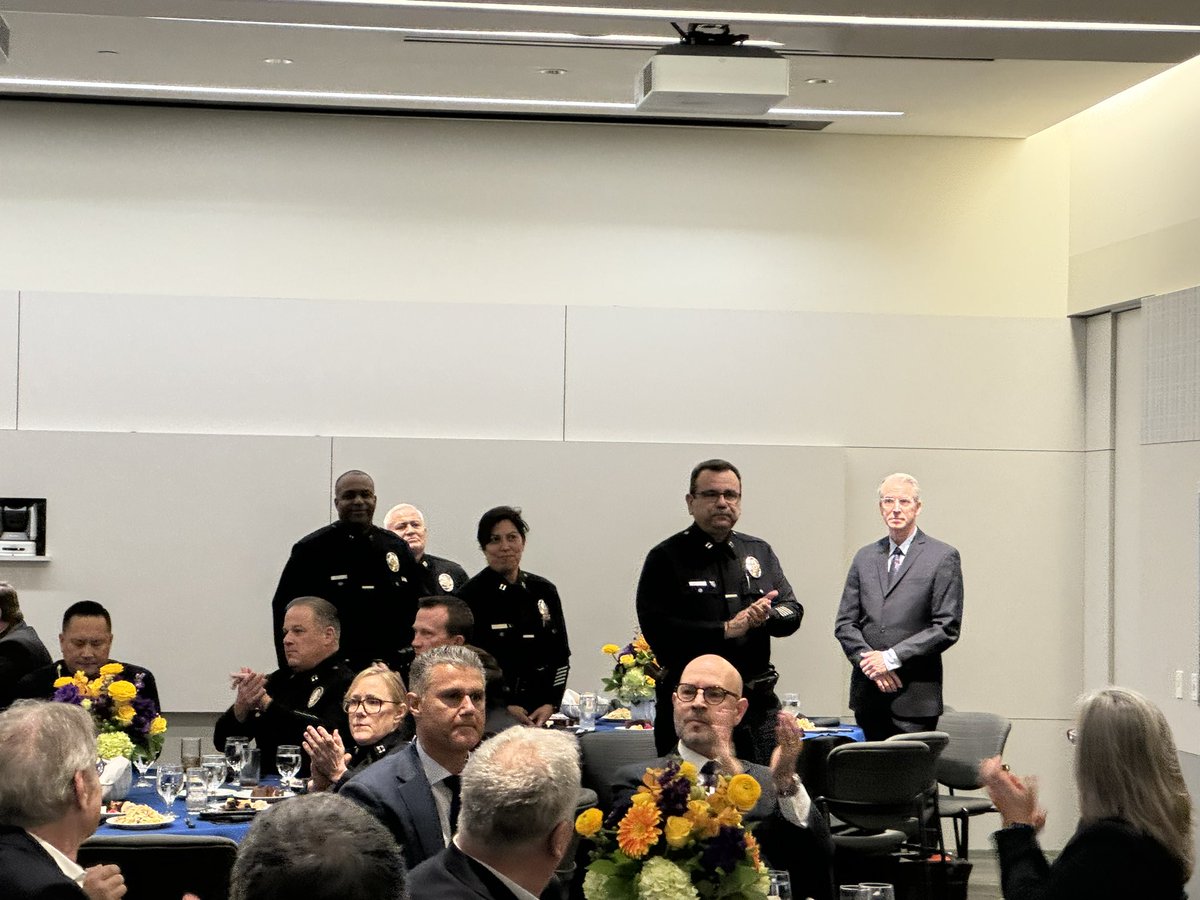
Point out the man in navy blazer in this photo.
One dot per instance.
(414, 791)
(518, 801)
(49, 804)
(901, 609)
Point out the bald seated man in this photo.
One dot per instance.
(408, 522)
(707, 704)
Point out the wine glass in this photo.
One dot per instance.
(779, 884)
(287, 761)
(169, 783)
(877, 890)
(143, 759)
(214, 771)
(234, 748)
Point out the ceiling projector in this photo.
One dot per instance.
(707, 79)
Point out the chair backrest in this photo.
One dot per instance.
(936, 741)
(603, 752)
(812, 766)
(974, 736)
(167, 865)
(879, 784)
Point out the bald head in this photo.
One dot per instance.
(408, 523)
(702, 725)
(354, 498)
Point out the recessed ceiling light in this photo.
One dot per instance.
(109, 52)
(818, 81)
(278, 61)
(552, 71)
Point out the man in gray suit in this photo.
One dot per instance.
(900, 610)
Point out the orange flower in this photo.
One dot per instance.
(704, 824)
(729, 816)
(752, 850)
(639, 830)
(640, 644)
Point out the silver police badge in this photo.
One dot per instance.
(315, 697)
(545, 611)
(393, 561)
(446, 582)
(753, 567)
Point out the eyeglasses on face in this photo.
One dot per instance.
(712, 496)
(902, 502)
(371, 705)
(713, 696)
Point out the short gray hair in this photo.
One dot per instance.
(907, 479)
(517, 786)
(421, 673)
(320, 847)
(42, 746)
(323, 611)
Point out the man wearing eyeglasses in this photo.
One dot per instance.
(901, 609)
(709, 589)
(706, 706)
(276, 709)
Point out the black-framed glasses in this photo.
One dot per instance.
(713, 696)
(730, 496)
(1072, 735)
(371, 705)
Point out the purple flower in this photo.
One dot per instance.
(68, 693)
(724, 851)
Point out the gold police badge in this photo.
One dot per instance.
(393, 561)
(545, 611)
(753, 567)
(315, 697)
(446, 582)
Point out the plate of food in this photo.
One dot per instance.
(264, 792)
(112, 808)
(234, 810)
(139, 817)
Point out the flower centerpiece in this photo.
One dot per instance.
(125, 720)
(634, 672)
(676, 841)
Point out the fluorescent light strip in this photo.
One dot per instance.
(709, 15)
(649, 40)
(385, 98)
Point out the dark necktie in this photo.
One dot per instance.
(455, 784)
(709, 772)
(894, 562)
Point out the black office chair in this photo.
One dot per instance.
(974, 737)
(603, 752)
(166, 865)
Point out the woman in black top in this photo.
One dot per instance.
(518, 619)
(1135, 828)
(374, 704)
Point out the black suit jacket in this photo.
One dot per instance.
(807, 853)
(27, 872)
(21, 651)
(397, 793)
(39, 684)
(919, 616)
(452, 874)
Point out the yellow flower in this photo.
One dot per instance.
(689, 771)
(609, 649)
(639, 830)
(650, 682)
(678, 831)
(112, 669)
(124, 713)
(589, 822)
(729, 816)
(703, 822)
(158, 726)
(642, 798)
(122, 691)
(63, 682)
(640, 645)
(86, 704)
(744, 792)
(626, 660)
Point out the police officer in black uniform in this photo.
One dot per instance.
(276, 709)
(366, 572)
(443, 576)
(709, 589)
(519, 619)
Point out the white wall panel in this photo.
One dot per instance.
(1015, 518)
(253, 366)
(595, 510)
(813, 378)
(181, 537)
(9, 311)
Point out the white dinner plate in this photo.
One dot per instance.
(115, 822)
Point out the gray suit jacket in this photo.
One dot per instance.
(396, 792)
(919, 617)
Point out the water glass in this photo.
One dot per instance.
(234, 747)
(251, 766)
(878, 890)
(852, 892)
(143, 759)
(213, 765)
(189, 752)
(168, 783)
(196, 789)
(587, 710)
(779, 884)
(287, 762)
(791, 704)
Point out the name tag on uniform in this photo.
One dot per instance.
(528, 637)
(367, 587)
(695, 584)
(500, 626)
(338, 577)
(730, 596)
